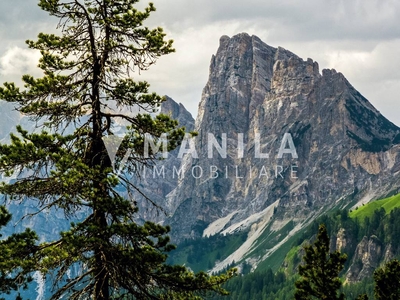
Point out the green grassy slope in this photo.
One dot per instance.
(367, 210)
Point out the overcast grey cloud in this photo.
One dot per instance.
(360, 38)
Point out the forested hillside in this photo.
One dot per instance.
(376, 223)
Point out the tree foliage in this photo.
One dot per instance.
(263, 284)
(320, 272)
(86, 90)
(387, 281)
(16, 257)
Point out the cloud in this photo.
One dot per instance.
(379, 64)
(292, 19)
(21, 20)
(356, 37)
(183, 75)
(16, 62)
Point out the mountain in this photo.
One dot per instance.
(9, 118)
(157, 181)
(327, 148)
(178, 112)
(346, 150)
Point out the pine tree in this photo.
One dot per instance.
(320, 272)
(85, 89)
(17, 258)
(387, 281)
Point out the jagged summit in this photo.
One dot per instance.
(178, 112)
(347, 151)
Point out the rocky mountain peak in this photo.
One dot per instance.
(255, 90)
(178, 112)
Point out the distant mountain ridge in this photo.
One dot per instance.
(49, 224)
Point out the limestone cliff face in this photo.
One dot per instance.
(367, 257)
(158, 180)
(369, 254)
(346, 149)
(177, 112)
(341, 240)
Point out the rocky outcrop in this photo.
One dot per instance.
(177, 112)
(160, 179)
(341, 240)
(388, 253)
(346, 149)
(367, 257)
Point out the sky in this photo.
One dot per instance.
(359, 38)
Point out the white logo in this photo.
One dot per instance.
(160, 145)
(112, 144)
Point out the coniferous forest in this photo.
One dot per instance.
(281, 284)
